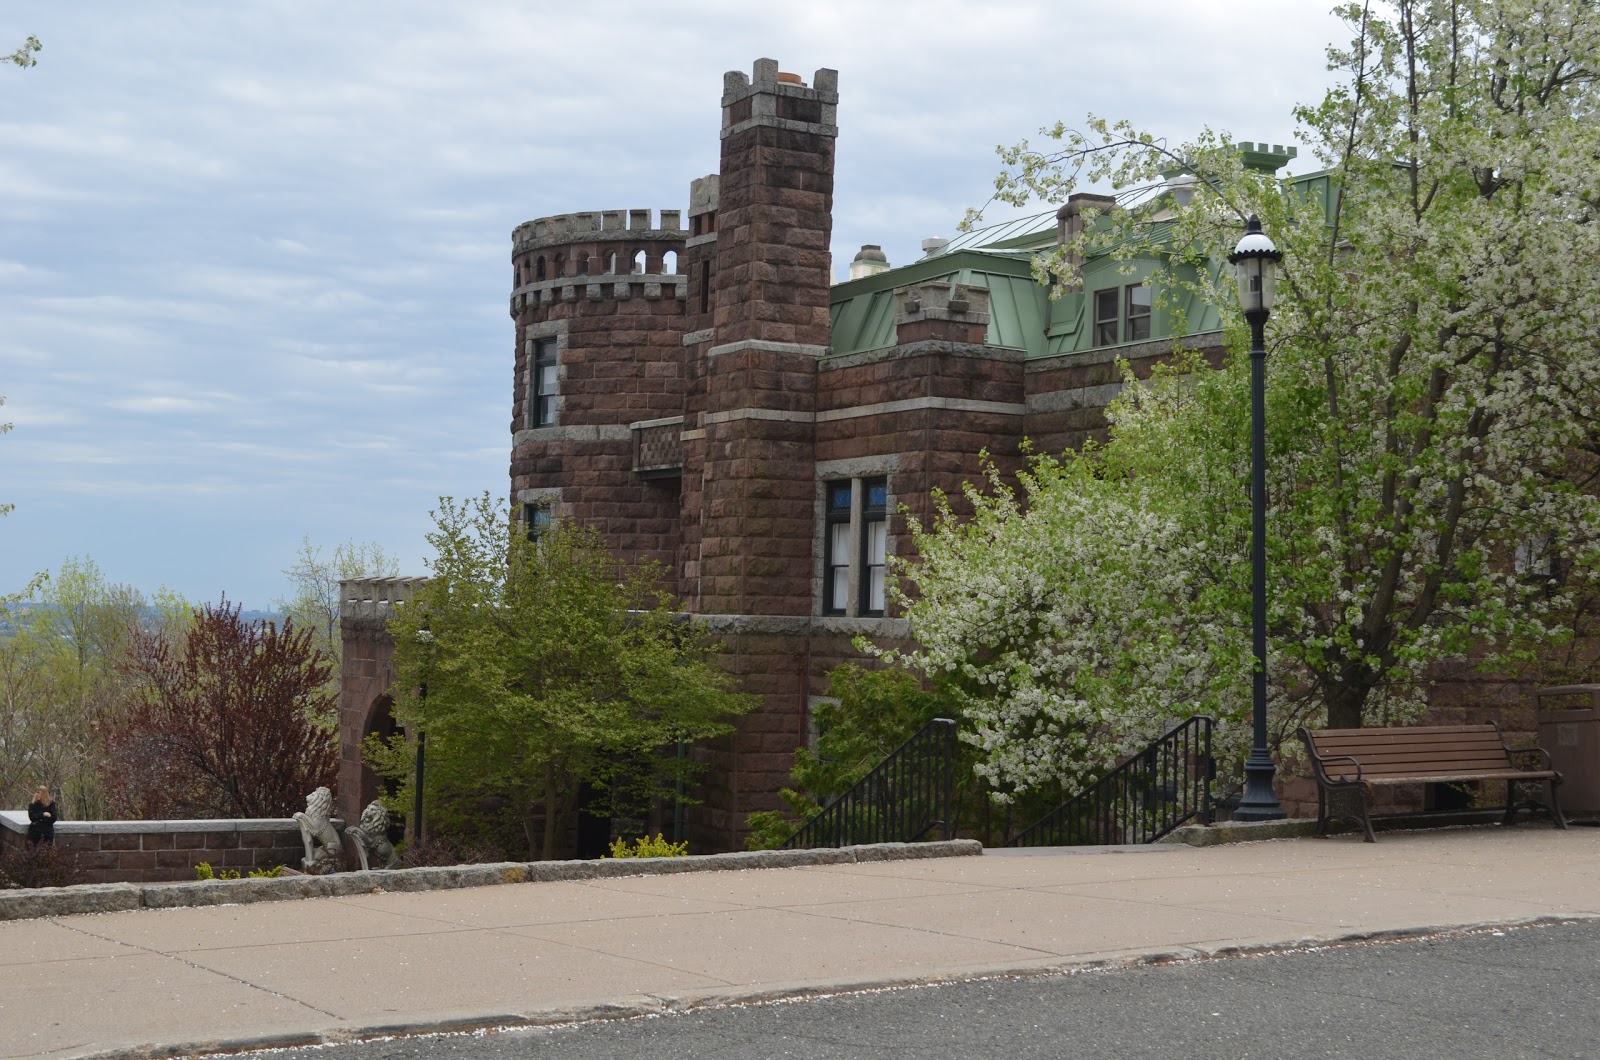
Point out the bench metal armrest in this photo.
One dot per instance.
(1322, 767)
(1548, 763)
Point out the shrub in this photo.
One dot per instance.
(648, 847)
(447, 850)
(40, 865)
(204, 871)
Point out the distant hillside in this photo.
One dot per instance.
(9, 617)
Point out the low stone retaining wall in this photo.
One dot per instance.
(165, 851)
(116, 897)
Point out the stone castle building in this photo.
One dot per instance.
(693, 384)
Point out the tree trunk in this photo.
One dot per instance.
(552, 814)
(1345, 702)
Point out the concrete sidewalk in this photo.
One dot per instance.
(154, 982)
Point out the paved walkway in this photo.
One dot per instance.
(339, 967)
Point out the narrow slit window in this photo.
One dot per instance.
(544, 382)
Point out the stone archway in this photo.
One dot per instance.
(365, 677)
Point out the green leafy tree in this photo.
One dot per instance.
(316, 581)
(1433, 380)
(24, 55)
(60, 683)
(548, 667)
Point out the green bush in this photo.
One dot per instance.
(204, 871)
(647, 847)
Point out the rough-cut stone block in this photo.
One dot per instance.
(65, 901)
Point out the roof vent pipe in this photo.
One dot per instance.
(934, 246)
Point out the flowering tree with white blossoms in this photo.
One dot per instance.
(1433, 381)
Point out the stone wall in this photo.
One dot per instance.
(165, 851)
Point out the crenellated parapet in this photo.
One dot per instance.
(590, 225)
(369, 603)
(577, 289)
(595, 247)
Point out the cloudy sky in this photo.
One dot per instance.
(254, 257)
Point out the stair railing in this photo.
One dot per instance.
(1141, 800)
(905, 797)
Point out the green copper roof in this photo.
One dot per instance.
(863, 310)
(1022, 316)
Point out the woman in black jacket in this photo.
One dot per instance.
(42, 817)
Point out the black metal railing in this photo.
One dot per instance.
(905, 797)
(1141, 800)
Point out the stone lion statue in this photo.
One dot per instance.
(372, 840)
(323, 845)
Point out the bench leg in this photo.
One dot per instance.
(1511, 804)
(1555, 806)
(1366, 817)
(1322, 812)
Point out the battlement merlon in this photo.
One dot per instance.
(1266, 158)
(596, 226)
(780, 100)
(703, 192)
(371, 602)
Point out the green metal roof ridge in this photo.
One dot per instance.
(932, 268)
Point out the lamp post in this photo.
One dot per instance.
(425, 637)
(1255, 261)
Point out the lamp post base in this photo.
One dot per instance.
(1259, 802)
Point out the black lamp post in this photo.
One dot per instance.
(1255, 260)
(426, 638)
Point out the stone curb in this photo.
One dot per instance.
(663, 1006)
(1208, 835)
(116, 897)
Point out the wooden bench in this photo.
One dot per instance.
(1359, 759)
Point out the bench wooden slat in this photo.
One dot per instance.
(1467, 754)
(1432, 740)
(1445, 778)
(1400, 760)
(1405, 732)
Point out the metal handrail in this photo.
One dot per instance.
(906, 796)
(1141, 800)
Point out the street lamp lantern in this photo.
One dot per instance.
(1255, 261)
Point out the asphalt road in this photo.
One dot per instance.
(1525, 992)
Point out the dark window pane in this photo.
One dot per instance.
(1105, 317)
